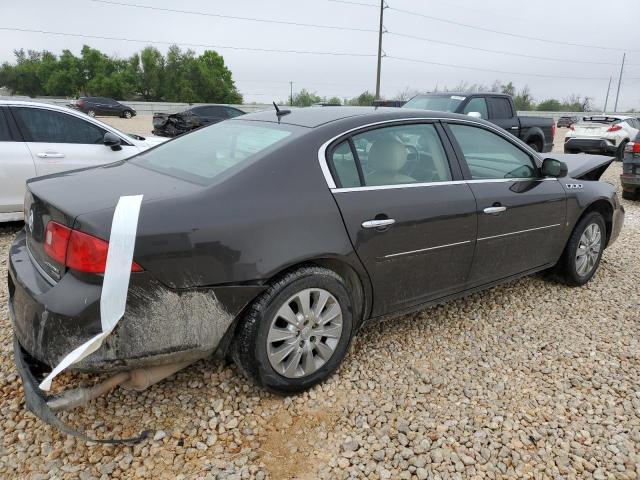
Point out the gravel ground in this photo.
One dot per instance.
(527, 380)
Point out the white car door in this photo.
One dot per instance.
(60, 141)
(16, 166)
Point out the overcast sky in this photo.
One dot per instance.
(263, 76)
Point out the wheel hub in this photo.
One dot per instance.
(304, 333)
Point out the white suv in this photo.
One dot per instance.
(604, 134)
(40, 139)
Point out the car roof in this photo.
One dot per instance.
(312, 117)
(462, 94)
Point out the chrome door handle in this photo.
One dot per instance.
(494, 210)
(50, 155)
(514, 128)
(378, 223)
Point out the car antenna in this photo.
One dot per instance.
(280, 113)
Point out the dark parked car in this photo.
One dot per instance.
(171, 125)
(567, 121)
(630, 177)
(274, 238)
(537, 132)
(104, 106)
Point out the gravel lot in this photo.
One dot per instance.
(526, 380)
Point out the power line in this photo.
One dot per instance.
(360, 4)
(235, 17)
(510, 34)
(184, 44)
(415, 60)
(501, 52)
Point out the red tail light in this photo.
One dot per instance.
(553, 131)
(78, 250)
(572, 127)
(633, 147)
(614, 128)
(80, 103)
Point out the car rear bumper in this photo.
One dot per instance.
(630, 180)
(160, 326)
(588, 145)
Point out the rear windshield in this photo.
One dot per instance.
(203, 155)
(441, 103)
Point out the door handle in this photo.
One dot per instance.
(514, 128)
(494, 210)
(50, 155)
(378, 223)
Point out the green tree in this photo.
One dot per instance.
(334, 101)
(365, 99)
(304, 98)
(523, 99)
(550, 105)
(509, 89)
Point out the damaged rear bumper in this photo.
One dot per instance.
(160, 326)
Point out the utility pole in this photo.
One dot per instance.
(606, 99)
(615, 109)
(291, 94)
(379, 50)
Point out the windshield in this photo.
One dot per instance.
(441, 103)
(203, 155)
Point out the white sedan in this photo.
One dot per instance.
(601, 134)
(40, 139)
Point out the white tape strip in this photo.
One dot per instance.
(113, 298)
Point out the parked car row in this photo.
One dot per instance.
(41, 139)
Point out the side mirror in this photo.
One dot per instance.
(112, 140)
(475, 114)
(554, 168)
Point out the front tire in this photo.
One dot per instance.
(582, 254)
(296, 333)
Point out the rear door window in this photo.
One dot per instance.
(205, 154)
(49, 126)
(500, 107)
(402, 154)
(344, 166)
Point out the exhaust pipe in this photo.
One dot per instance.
(138, 380)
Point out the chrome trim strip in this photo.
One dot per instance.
(436, 184)
(520, 231)
(322, 152)
(426, 249)
(390, 187)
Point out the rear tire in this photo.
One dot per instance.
(268, 330)
(620, 150)
(127, 114)
(582, 254)
(535, 146)
(91, 113)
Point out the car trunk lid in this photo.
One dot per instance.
(64, 197)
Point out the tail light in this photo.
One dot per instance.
(80, 103)
(78, 250)
(632, 147)
(553, 131)
(572, 127)
(614, 128)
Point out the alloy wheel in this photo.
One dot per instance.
(304, 333)
(588, 249)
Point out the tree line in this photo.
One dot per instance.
(180, 76)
